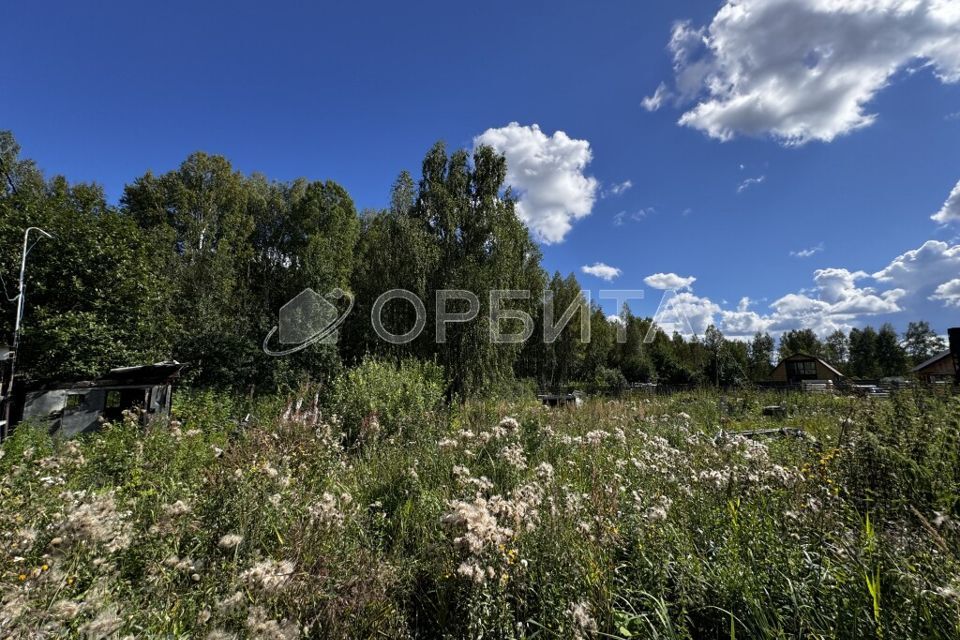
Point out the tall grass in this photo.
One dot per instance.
(631, 518)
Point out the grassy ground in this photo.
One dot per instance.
(635, 518)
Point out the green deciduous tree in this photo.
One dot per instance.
(836, 349)
(201, 212)
(459, 231)
(97, 296)
(921, 342)
(863, 353)
(760, 356)
(891, 356)
(800, 341)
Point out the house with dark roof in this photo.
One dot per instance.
(939, 368)
(801, 367)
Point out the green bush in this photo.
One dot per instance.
(607, 381)
(382, 399)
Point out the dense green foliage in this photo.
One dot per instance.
(638, 518)
(97, 295)
(377, 400)
(195, 264)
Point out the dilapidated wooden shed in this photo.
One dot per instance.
(74, 407)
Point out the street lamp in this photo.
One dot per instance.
(21, 298)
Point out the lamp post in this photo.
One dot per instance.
(21, 299)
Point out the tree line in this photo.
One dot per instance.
(194, 264)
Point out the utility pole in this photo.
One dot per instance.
(15, 347)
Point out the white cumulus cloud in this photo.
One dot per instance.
(601, 270)
(949, 293)
(920, 283)
(950, 211)
(548, 174)
(802, 70)
(669, 281)
(685, 312)
(922, 269)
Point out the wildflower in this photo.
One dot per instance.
(718, 478)
(479, 525)
(509, 424)
(544, 471)
(104, 625)
(13, 608)
(230, 541)
(596, 437)
(65, 609)
(176, 509)
(259, 625)
(326, 512)
(270, 576)
(231, 604)
(472, 571)
(783, 476)
(583, 623)
(658, 511)
(96, 521)
(482, 484)
(183, 565)
(523, 506)
(514, 456)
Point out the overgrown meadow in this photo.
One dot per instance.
(370, 509)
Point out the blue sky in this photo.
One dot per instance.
(828, 128)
